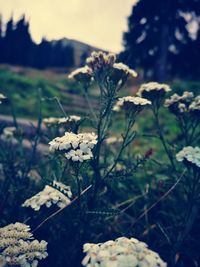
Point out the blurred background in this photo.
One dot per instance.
(161, 38)
(42, 41)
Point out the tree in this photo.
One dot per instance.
(8, 42)
(23, 42)
(17, 47)
(1, 39)
(44, 52)
(157, 34)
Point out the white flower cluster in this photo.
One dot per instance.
(189, 154)
(195, 105)
(8, 132)
(113, 139)
(125, 69)
(49, 196)
(179, 104)
(152, 90)
(99, 60)
(186, 103)
(77, 147)
(56, 121)
(84, 73)
(131, 102)
(50, 121)
(2, 97)
(17, 246)
(69, 119)
(122, 252)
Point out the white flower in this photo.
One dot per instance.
(179, 104)
(153, 89)
(113, 139)
(182, 107)
(72, 118)
(55, 121)
(51, 121)
(195, 105)
(77, 147)
(84, 73)
(187, 96)
(124, 68)
(49, 196)
(8, 132)
(122, 252)
(172, 100)
(190, 155)
(18, 247)
(100, 60)
(130, 102)
(2, 97)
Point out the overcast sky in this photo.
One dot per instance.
(96, 22)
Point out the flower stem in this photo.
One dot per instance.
(162, 138)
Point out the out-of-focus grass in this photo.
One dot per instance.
(186, 85)
(22, 89)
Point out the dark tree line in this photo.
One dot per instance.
(159, 38)
(18, 48)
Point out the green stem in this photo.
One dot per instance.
(13, 114)
(161, 135)
(90, 105)
(60, 106)
(123, 146)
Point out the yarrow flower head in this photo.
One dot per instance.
(52, 121)
(194, 107)
(2, 98)
(76, 147)
(98, 61)
(113, 140)
(131, 104)
(9, 132)
(178, 104)
(153, 91)
(104, 63)
(69, 119)
(122, 252)
(57, 194)
(83, 74)
(18, 247)
(190, 156)
(49, 122)
(124, 70)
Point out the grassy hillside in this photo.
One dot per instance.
(21, 85)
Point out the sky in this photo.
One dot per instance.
(97, 22)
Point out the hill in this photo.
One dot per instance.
(81, 50)
(21, 85)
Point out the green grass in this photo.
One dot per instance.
(186, 85)
(22, 89)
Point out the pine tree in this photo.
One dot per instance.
(44, 54)
(17, 47)
(1, 40)
(8, 42)
(23, 42)
(157, 34)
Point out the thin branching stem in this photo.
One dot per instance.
(162, 138)
(61, 209)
